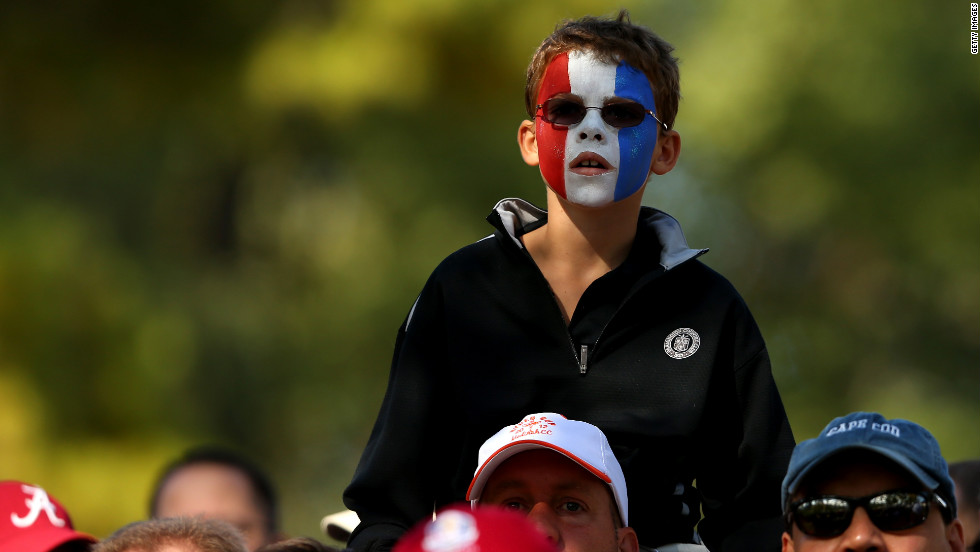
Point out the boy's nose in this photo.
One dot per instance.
(592, 127)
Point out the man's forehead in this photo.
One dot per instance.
(209, 474)
(206, 487)
(525, 482)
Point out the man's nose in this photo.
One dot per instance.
(862, 535)
(544, 518)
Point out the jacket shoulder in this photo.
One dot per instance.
(694, 278)
(474, 256)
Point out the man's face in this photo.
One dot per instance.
(863, 478)
(593, 163)
(567, 503)
(215, 491)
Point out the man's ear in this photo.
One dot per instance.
(666, 153)
(787, 542)
(626, 539)
(954, 536)
(528, 142)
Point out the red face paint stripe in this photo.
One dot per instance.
(551, 139)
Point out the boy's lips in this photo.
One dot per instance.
(589, 164)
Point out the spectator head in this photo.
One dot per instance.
(869, 483)
(612, 39)
(219, 484)
(563, 475)
(177, 534)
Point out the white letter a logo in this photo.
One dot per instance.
(38, 502)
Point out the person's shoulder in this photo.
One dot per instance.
(496, 252)
(702, 279)
(473, 256)
(697, 268)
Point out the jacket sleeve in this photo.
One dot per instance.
(749, 448)
(402, 473)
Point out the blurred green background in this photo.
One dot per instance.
(215, 215)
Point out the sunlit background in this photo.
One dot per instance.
(215, 215)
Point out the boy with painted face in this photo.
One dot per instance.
(596, 308)
(587, 155)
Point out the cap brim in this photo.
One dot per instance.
(505, 452)
(44, 539)
(927, 480)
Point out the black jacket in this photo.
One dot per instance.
(661, 354)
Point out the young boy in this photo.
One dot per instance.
(596, 309)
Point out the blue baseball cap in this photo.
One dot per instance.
(906, 443)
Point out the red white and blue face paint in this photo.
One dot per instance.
(592, 163)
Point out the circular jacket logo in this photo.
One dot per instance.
(682, 343)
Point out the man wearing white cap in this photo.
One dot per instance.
(564, 476)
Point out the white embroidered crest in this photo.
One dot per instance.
(37, 503)
(682, 343)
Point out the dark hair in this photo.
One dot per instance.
(297, 544)
(210, 454)
(612, 40)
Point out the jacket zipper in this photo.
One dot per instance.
(583, 360)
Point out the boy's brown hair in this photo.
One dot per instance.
(612, 40)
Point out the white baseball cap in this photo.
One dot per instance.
(583, 443)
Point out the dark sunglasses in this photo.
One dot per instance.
(829, 516)
(568, 112)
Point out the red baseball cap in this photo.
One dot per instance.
(462, 528)
(32, 521)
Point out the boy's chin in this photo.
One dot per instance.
(592, 191)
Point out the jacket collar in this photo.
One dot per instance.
(513, 217)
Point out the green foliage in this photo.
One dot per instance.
(213, 217)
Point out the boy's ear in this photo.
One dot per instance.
(666, 153)
(528, 143)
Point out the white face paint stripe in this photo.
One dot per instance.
(594, 81)
(590, 77)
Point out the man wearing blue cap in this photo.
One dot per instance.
(869, 484)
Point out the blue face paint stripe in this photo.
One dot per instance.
(636, 144)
